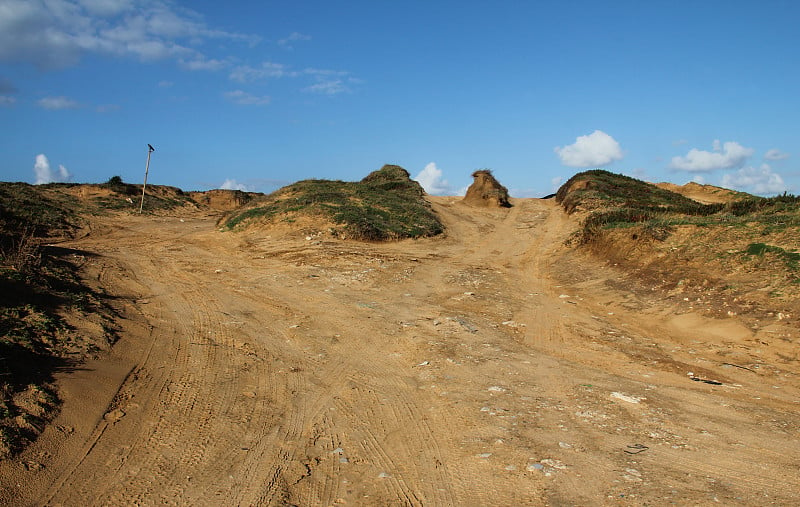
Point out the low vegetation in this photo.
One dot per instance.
(739, 256)
(617, 201)
(386, 205)
(39, 286)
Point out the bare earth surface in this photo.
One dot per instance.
(493, 366)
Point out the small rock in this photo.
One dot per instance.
(484, 455)
(625, 397)
(534, 467)
(384, 475)
(497, 389)
(32, 466)
(553, 463)
(114, 415)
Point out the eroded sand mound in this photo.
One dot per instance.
(487, 191)
(223, 200)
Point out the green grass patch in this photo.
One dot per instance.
(792, 259)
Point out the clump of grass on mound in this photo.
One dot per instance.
(385, 205)
(791, 259)
(615, 201)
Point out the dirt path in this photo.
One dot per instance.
(490, 367)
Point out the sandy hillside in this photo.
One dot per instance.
(493, 366)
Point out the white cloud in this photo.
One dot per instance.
(56, 103)
(44, 174)
(57, 33)
(598, 149)
(165, 84)
(723, 156)
(331, 87)
(327, 82)
(247, 99)
(330, 82)
(231, 184)
(293, 37)
(432, 180)
(199, 62)
(7, 100)
(246, 73)
(774, 154)
(759, 181)
(556, 182)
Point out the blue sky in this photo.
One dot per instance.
(256, 95)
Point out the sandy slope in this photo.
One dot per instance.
(490, 367)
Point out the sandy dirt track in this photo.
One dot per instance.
(493, 366)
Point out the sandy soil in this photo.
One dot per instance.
(490, 367)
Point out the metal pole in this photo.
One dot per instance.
(150, 150)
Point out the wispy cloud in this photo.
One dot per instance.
(724, 156)
(332, 87)
(247, 73)
(57, 33)
(246, 99)
(57, 103)
(598, 149)
(44, 174)
(759, 181)
(774, 154)
(288, 42)
(200, 62)
(330, 82)
(7, 100)
(325, 81)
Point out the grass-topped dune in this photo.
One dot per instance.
(386, 205)
(614, 201)
(745, 248)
